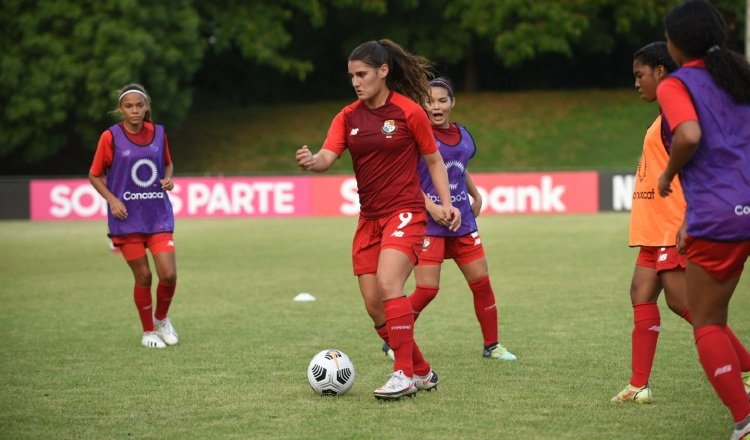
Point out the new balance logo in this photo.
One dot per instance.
(170, 243)
(354, 132)
(662, 257)
(477, 240)
(398, 234)
(655, 328)
(723, 370)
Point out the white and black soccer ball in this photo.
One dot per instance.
(331, 373)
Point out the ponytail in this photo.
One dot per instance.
(731, 72)
(699, 31)
(408, 74)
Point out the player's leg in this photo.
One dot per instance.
(393, 269)
(645, 287)
(476, 273)
(402, 237)
(709, 299)
(135, 255)
(427, 284)
(468, 253)
(163, 252)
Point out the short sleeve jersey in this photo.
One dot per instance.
(105, 149)
(385, 144)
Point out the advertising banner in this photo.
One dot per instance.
(316, 195)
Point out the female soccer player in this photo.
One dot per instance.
(385, 132)
(706, 104)
(654, 222)
(132, 170)
(463, 244)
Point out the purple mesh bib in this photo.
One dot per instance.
(134, 178)
(456, 158)
(716, 180)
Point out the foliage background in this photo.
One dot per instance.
(61, 61)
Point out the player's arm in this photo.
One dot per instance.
(679, 110)
(476, 204)
(166, 182)
(333, 146)
(102, 161)
(115, 205)
(433, 209)
(685, 141)
(318, 162)
(450, 216)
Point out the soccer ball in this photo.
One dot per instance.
(331, 373)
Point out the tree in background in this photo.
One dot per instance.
(63, 60)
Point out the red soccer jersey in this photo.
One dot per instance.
(675, 100)
(105, 149)
(385, 144)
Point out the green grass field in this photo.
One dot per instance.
(565, 130)
(71, 364)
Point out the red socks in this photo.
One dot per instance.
(742, 353)
(486, 309)
(164, 296)
(421, 297)
(399, 320)
(720, 362)
(142, 298)
(646, 328)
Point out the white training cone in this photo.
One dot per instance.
(304, 296)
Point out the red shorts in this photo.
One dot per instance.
(721, 259)
(133, 246)
(403, 231)
(464, 249)
(661, 258)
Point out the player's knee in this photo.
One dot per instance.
(169, 278)
(142, 277)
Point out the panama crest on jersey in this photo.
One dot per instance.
(389, 126)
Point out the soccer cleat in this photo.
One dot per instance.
(746, 382)
(497, 351)
(165, 331)
(742, 433)
(633, 394)
(427, 382)
(398, 386)
(388, 351)
(152, 340)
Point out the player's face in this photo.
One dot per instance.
(368, 81)
(646, 79)
(439, 107)
(133, 107)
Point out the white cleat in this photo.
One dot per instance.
(165, 331)
(152, 340)
(398, 386)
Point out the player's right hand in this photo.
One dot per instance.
(118, 208)
(305, 158)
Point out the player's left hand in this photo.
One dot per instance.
(167, 184)
(680, 239)
(665, 184)
(455, 218)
